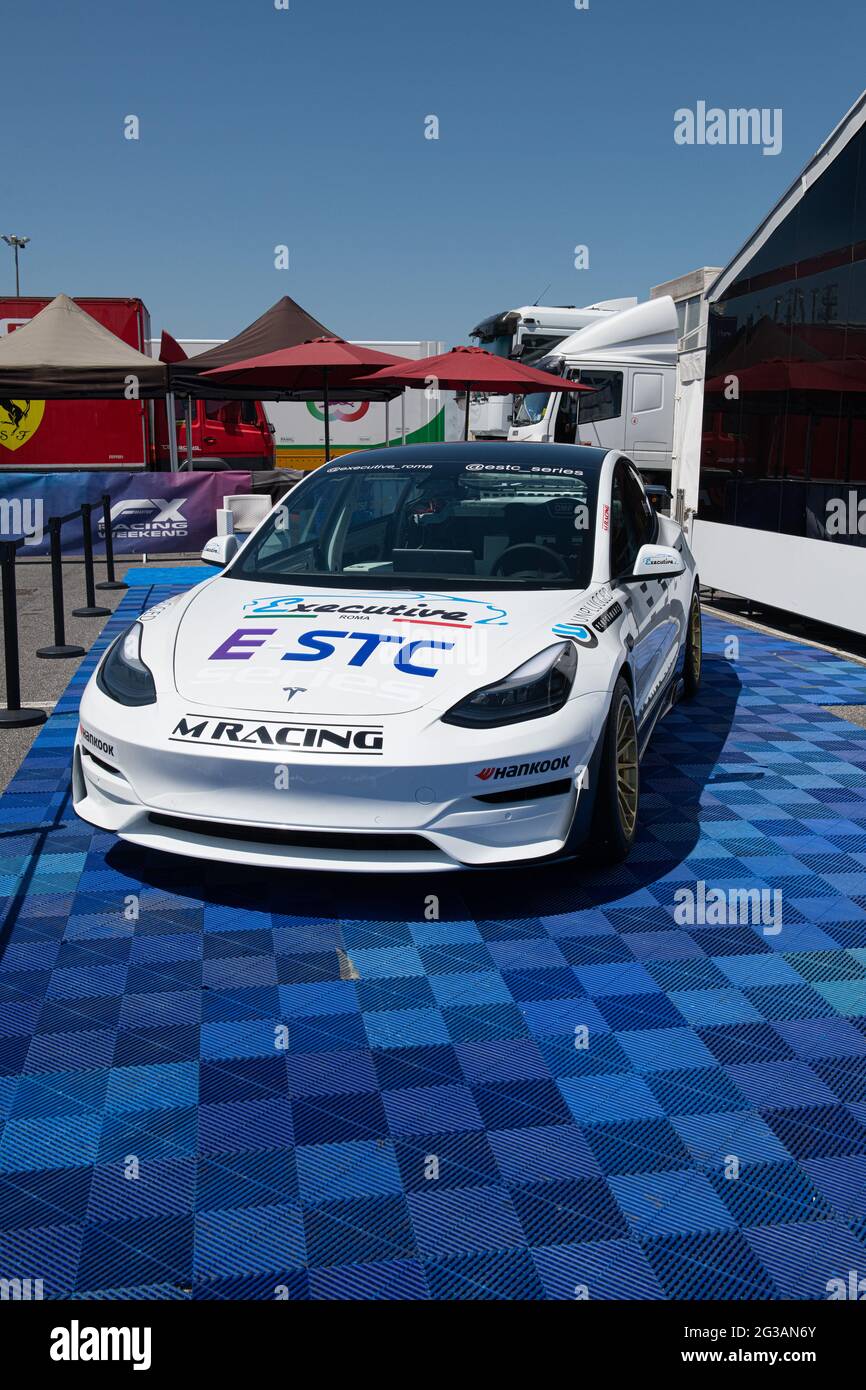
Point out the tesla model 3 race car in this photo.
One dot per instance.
(433, 657)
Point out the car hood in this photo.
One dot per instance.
(242, 645)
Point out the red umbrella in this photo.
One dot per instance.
(473, 369)
(319, 362)
(170, 349)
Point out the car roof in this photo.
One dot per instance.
(475, 451)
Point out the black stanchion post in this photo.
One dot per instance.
(61, 647)
(111, 582)
(91, 609)
(13, 717)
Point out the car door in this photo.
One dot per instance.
(625, 542)
(660, 634)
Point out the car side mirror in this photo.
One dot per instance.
(219, 550)
(656, 562)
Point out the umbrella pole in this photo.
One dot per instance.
(171, 429)
(188, 429)
(387, 431)
(327, 416)
(466, 418)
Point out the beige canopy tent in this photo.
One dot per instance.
(64, 354)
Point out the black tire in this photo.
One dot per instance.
(694, 648)
(614, 823)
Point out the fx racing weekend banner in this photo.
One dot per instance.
(156, 513)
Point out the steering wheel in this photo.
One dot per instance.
(559, 565)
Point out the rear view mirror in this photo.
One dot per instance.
(656, 562)
(220, 550)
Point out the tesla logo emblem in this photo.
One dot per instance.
(293, 690)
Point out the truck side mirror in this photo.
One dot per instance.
(220, 550)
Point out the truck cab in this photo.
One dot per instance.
(529, 334)
(629, 362)
(225, 434)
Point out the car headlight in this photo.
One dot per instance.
(123, 675)
(540, 686)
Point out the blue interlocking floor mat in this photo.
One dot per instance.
(554, 1088)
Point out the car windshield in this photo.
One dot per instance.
(477, 525)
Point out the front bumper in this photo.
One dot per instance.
(421, 805)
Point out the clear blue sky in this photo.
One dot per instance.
(306, 127)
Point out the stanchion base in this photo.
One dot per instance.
(112, 584)
(54, 653)
(91, 612)
(21, 718)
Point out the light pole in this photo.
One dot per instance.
(17, 243)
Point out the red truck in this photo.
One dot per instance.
(124, 434)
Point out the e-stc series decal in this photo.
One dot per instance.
(357, 739)
(436, 610)
(319, 646)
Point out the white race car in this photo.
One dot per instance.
(432, 657)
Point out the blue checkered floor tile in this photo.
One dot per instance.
(220, 1084)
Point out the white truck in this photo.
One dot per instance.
(528, 334)
(629, 360)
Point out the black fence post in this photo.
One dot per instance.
(91, 609)
(60, 648)
(111, 582)
(13, 716)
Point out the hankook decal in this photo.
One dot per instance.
(524, 769)
(98, 743)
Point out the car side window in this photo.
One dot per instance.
(625, 525)
(639, 503)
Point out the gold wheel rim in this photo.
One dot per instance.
(695, 635)
(626, 767)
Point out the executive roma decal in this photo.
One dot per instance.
(363, 740)
(430, 610)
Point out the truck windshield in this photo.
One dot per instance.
(529, 410)
(501, 345)
(472, 525)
